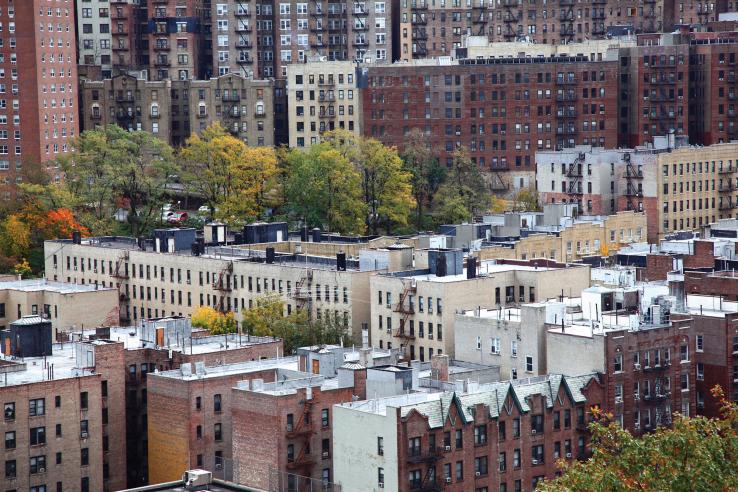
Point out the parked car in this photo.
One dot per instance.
(166, 211)
(176, 218)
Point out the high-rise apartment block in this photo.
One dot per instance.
(38, 88)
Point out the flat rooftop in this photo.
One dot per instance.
(42, 284)
(486, 269)
(131, 337)
(288, 364)
(502, 314)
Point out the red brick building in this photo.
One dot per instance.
(38, 116)
(502, 110)
(288, 427)
(176, 39)
(501, 436)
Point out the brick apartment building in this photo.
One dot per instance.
(502, 111)
(679, 187)
(290, 423)
(669, 367)
(502, 436)
(430, 29)
(39, 90)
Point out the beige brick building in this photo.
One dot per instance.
(68, 306)
(322, 96)
(587, 236)
(152, 284)
(173, 109)
(417, 309)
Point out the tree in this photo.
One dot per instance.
(216, 323)
(427, 174)
(465, 181)
(694, 454)
(250, 178)
(112, 167)
(206, 161)
(15, 237)
(526, 200)
(386, 186)
(324, 190)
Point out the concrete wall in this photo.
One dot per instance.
(573, 354)
(355, 460)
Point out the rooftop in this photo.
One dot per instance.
(289, 366)
(42, 284)
(486, 269)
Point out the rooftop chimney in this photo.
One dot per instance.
(439, 367)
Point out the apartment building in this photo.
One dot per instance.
(263, 40)
(501, 436)
(172, 109)
(153, 284)
(64, 421)
(175, 44)
(474, 47)
(577, 239)
(322, 96)
(654, 180)
(67, 306)
(245, 107)
(416, 310)
(502, 111)
(655, 90)
(39, 66)
(95, 46)
(714, 91)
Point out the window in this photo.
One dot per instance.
(38, 436)
(217, 403)
(10, 440)
(324, 417)
(9, 411)
(618, 363)
(218, 432)
(536, 423)
(516, 427)
(10, 469)
(36, 407)
(699, 343)
(380, 446)
(380, 476)
(480, 435)
(537, 454)
(83, 400)
(198, 403)
(529, 363)
(85, 456)
(480, 464)
(459, 439)
(684, 353)
(84, 429)
(459, 470)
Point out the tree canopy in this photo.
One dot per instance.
(699, 454)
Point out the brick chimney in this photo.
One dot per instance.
(439, 367)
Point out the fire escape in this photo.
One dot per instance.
(598, 19)
(663, 78)
(231, 110)
(633, 184)
(301, 294)
(726, 187)
(405, 307)
(479, 17)
(566, 16)
(359, 29)
(337, 31)
(419, 23)
(243, 40)
(659, 399)
(121, 273)
(317, 13)
(430, 481)
(510, 17)
(300, 433)
(575, 188)
(566, 97)
(222, 283)
(703, 11)
(650, 23)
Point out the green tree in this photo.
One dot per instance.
(465, 182)
(427, 174)
(695, 454)
(15, 237)
(112, 167)
(386, 186)
(526, 200)
(323, 188)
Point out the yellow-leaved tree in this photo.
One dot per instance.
(215, 322)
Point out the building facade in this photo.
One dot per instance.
(39, 113)
(501, 436)
(322, 96)
(501, 111)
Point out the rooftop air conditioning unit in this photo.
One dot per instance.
(197, 478)
(637, 366)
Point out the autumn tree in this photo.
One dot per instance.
(15, 237)
(427, 174)
(695, 454)
(323, 189)
(526, 200)
(464, 192)
(111, 167)
(386, 185)
(251, 178)
(216, 323)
